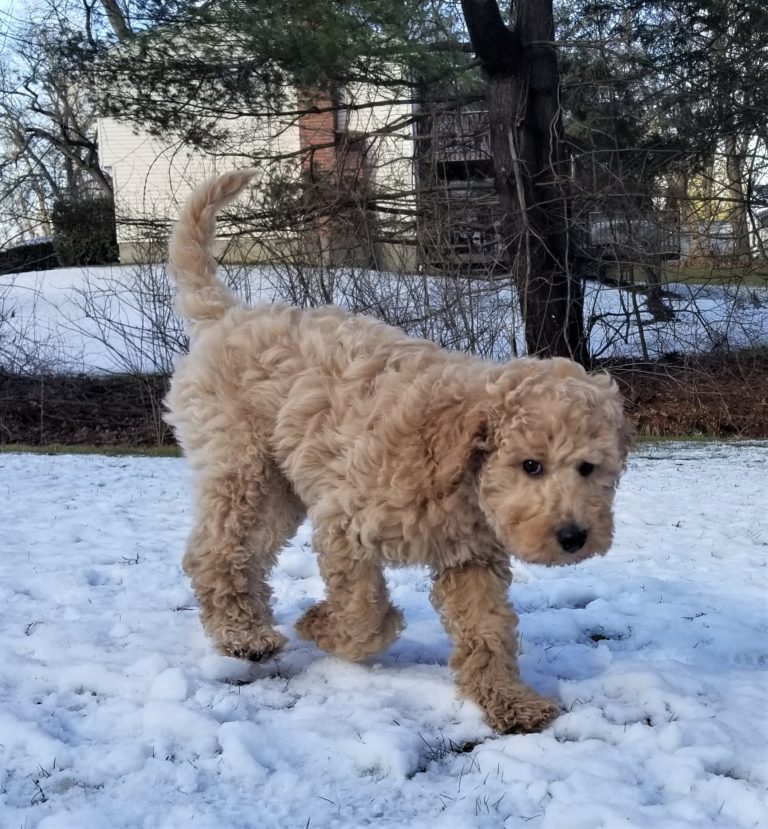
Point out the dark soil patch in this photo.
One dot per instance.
(82, 410)
(712, 396)
(719, 396)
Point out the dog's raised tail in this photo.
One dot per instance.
(202, 297)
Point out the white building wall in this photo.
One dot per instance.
(392, 131)
(152, 177)
(390, 162)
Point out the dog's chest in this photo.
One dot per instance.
(421, 536)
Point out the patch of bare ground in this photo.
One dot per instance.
(717, 396)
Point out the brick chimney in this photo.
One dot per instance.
(317, 133)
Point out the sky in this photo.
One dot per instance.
(6, 7)
(7, 10)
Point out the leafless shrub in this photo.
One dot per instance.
(28, 347)
(130, 314)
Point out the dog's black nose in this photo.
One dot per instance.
(572, 538)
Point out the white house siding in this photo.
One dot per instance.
(152, 177)
(390, 161)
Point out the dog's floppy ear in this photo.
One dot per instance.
(626, 439)
(457, 443)
(626, 426)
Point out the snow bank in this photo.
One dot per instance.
(118, 319)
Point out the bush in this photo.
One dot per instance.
(38, 255)
(84, 231)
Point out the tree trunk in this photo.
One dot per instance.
(117, 19)
(735, 153)
(531, 170)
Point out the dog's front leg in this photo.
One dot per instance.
(472, 601)
(356, 619)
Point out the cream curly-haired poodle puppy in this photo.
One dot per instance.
(398, 451)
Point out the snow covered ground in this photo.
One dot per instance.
(115, 712)
(107, 319)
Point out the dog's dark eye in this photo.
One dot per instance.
(585, 469)
(532, 468)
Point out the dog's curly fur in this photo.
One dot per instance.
(398, 451)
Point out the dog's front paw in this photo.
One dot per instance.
(516, 709)
(255, 645)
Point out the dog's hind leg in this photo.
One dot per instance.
(246, 513)
(356, 619)
(472, 601)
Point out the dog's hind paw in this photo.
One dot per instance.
(349, 637)
(257, 646)
(518, 710)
